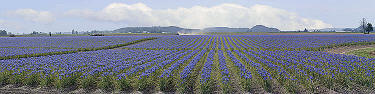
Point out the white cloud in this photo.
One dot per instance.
(34, 16)
(231, 15)
(10, 26)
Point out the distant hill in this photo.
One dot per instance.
(262, 28)
(154, 29)
(359, 29)
(225, 29)
(332, 29)
(257, 28)
(336, 29)
(175, 29)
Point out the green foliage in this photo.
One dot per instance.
(88, 83)
(369, 27)
(16, 79)
(188, 85)
(368, 52)
(124, 85)
(31, 80)
(47, 81)
(66, 82)
(4, 78)
(105, 83)
(291, 88)
(227, 89)
(208, 87)
(267, 85)
(167, 84)
(145, 84)
(248, 85)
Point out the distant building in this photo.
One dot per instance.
(145, 32)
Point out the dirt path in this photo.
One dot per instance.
(346, 49)
(13, 89)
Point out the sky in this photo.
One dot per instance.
(25, 16)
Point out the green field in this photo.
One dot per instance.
(367, 52)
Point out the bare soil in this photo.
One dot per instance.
(346, 49)
(15, 89)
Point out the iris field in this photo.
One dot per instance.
(189, 64)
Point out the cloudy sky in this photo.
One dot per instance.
(24, 16)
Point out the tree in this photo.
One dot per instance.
(305, 30)
(3, 33)
(35, 33)
(366, 27)
(73, 31)
(369, 28)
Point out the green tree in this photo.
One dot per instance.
(305, 30)
(3, 33)
(369, 28)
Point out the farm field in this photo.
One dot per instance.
(188, 64)
(368, 52)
